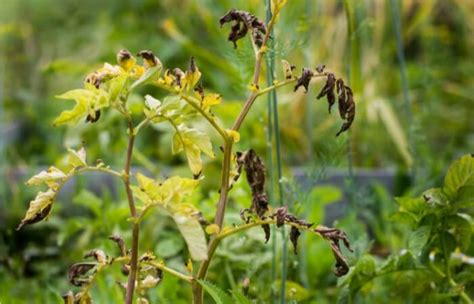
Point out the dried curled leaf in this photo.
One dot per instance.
(149, 59)
(349, 110)
(98, 255)
(280, 215)
(287, 69)
(125, 60)
(255, 171)
(328, 90)
(304, 79)
(39, 208)
(294, 235)
(243, 22)
(77, 273)
(334, 235)
(120, 243)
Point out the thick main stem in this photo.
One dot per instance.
(133, 212)
(219, 218)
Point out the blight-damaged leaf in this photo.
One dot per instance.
(49, 177)
(39, 208)
(193, 142)
(193, 235)
(88, 102)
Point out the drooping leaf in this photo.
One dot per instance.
(193, 234)
(218, 295)
(193, 142)
(460, 174)
(39, 208)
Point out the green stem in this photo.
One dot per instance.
(171, 271)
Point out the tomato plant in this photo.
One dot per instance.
(109, 88)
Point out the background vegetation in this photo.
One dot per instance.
(410, 64)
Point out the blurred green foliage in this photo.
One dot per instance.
(47, 46)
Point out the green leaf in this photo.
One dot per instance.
(460, 174)
(465, 197)
(148, 75)
(77, 158)
(193, 142)
(240, 298)
(406, 261)
(193, 235)
(418, 239)
(462, 230)
(39, 208)
(293, 291)
(49, 177)
(218, 295)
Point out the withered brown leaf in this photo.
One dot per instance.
(120, 243)
(294, 235)
(77, 273)
(243, 22)
(334, 235)
(328, 90)
(304, 79)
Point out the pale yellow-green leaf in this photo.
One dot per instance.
(39, 208)
(193, 142)
(77, 158)
(151, 102)
(168, 193)
(72, 116)
(49, 177)
(194, 236)
(87, 102)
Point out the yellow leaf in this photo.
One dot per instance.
(189, 266)
(193, 142)
(212, 229)
(192, 75)
(234, 135)
(211, 100)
